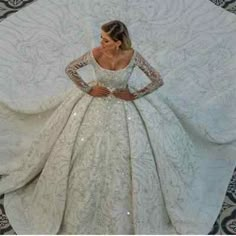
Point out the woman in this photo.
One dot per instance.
(114, 54)
(111, 161)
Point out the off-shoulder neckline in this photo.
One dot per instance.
(132, 58)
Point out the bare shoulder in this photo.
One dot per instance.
(97, 52)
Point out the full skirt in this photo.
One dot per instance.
(109, 166)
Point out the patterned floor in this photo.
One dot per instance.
(226, 221)
(229, 5)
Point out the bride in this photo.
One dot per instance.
(111, 160)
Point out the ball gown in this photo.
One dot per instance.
(103, 165)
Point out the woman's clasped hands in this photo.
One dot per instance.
(124, 94)
(100, 91)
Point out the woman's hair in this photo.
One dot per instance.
(117, 30)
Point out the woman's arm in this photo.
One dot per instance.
(73, 66)
(152, 74)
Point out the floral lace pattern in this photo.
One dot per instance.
(151, 73)
(74, 76)
(137, 60)
(108, 166)
(155, 165)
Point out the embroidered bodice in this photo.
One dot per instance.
(114, 79)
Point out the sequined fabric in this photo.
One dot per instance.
(114, 82)
(109, 166)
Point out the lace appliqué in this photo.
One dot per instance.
(152, 74)
(73, 66)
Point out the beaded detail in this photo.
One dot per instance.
(71, 71)
(151, 73)
(114, 79)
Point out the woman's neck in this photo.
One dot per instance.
(112, 53)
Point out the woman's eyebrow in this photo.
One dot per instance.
(102, 37)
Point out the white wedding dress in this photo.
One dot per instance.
(110, 166)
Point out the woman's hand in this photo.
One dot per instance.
(124, 94)
(99, 91)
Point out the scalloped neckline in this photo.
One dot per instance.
(91, 52)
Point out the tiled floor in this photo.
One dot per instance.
(226, 221)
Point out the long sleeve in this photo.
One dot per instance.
(73, 66)
(151, 73)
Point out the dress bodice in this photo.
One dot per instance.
(113, 79)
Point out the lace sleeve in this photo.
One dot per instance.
(74, 76)
(152, 74)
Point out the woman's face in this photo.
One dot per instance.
(107, 42)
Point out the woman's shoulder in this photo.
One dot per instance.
(97, 52)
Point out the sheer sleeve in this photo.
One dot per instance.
(151, 73)
(73, 66)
